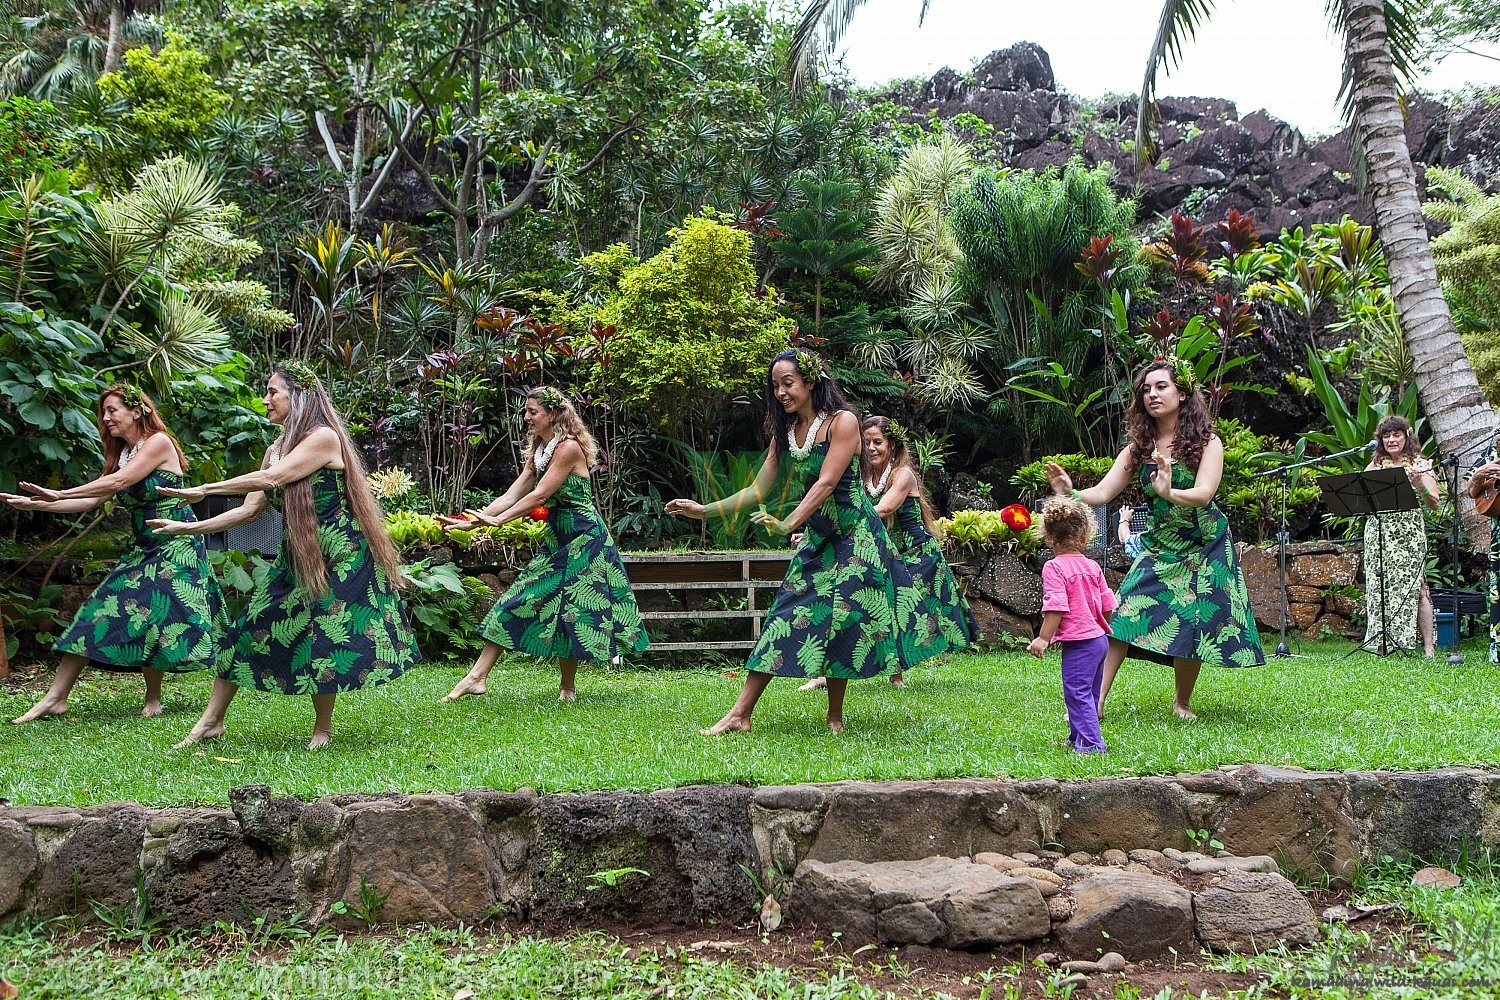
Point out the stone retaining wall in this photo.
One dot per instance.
(475, 854)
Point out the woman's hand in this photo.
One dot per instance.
(192, 494)
(771, 522)
(166, 526)
(1489, 472)
(686, 508)
(42, 492)
(1062, 483)
(1162, 481)
(20, 502)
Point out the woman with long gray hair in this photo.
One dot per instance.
(327, 617)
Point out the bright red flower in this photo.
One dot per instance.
(539, 513)
(1016, 517)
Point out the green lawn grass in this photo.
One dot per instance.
(974, 715)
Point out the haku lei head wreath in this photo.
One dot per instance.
(133, 398)
(300, 374)
(1183, 372)
(895, 432)
(550, 398)
(810, 366)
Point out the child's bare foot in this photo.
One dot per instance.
(320, 738)
(201, 732)
(469, 685)
(729, 724)
(151, 709)
(814, 684)
(46, 706)
(567, 694)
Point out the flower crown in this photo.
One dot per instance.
(894, 431)
(810, 365)
(550, 398)
(132, 397)
(299, 372)
(1183, 372)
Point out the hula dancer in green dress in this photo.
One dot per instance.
(893, 483)
(572, 601)
(1184, 600)
(1396, 546)
(1485, 477)
(327, 617)
(848, 607)
(158, 610)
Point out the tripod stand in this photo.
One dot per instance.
(1370, 494)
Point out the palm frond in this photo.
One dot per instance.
(1177, 25)
(822, 26)
(1403, 45)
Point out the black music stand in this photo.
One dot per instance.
(1363, 494)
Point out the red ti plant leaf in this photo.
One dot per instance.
(506, 322)
(439, 363)
(1163, 328)
(1099, 258)
(1231, 317)
(756, 220)
(1236, 234)
(1182, 250)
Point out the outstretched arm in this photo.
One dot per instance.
(568, 456)
(155, 451)
(749, 498)
(1111, 486)
(318, 450)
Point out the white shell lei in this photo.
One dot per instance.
(874, 490)
(129, 453)
(542, 457)
(807, 443)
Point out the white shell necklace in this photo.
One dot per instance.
(542, 457)
(129, 453)
(877, 488)
(807, 443)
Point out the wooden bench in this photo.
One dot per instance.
(733, 573)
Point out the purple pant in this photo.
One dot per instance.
(1082, 675)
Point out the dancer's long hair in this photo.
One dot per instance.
(566, 424)
(310, 409)
(827, 398)
(901, 457)
(1194, 425)
(151, 423)
(1410, 454)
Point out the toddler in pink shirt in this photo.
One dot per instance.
(1076, 608)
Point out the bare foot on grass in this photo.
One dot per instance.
(567, 694)
(320, 738)
(1183, 712)
(835, 725)
(151, 710)
(201, 733)
(45, 707)
(814, 684)
(728, 724)
(469, 685)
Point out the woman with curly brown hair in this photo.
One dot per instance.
(1184, 600)
(328, 617)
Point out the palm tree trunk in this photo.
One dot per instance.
(116, 45)
(1455, 406)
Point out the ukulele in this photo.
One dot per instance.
(1485, 503)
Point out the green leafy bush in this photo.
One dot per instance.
(983, 532)
(1084, 470)
(411, 530)
(33, 139)
(444, 605)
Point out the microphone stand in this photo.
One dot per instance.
(1453, 461)
(1283, 536)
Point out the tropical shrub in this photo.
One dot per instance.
(985, 532)
(33, 139)
(444, 605)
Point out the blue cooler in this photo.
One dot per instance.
(1444, 620)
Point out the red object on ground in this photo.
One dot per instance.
(539, 513)
(1016, 517)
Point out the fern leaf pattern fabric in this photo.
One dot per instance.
(356, 635)
(573, 600)
(1492, 454)
(923, 555)
(160, 606)
(1395, 566)
(848, 607)
(1185, 596)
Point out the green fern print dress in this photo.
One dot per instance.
(1185, 595)
(356, 635)
(572, 601)
(160, 606)
(1492, 454)
(923, 555)
(848, 607)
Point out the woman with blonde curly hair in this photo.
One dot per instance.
(572, 601)
(159, 608)
(327, 618)
(1184, 601)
